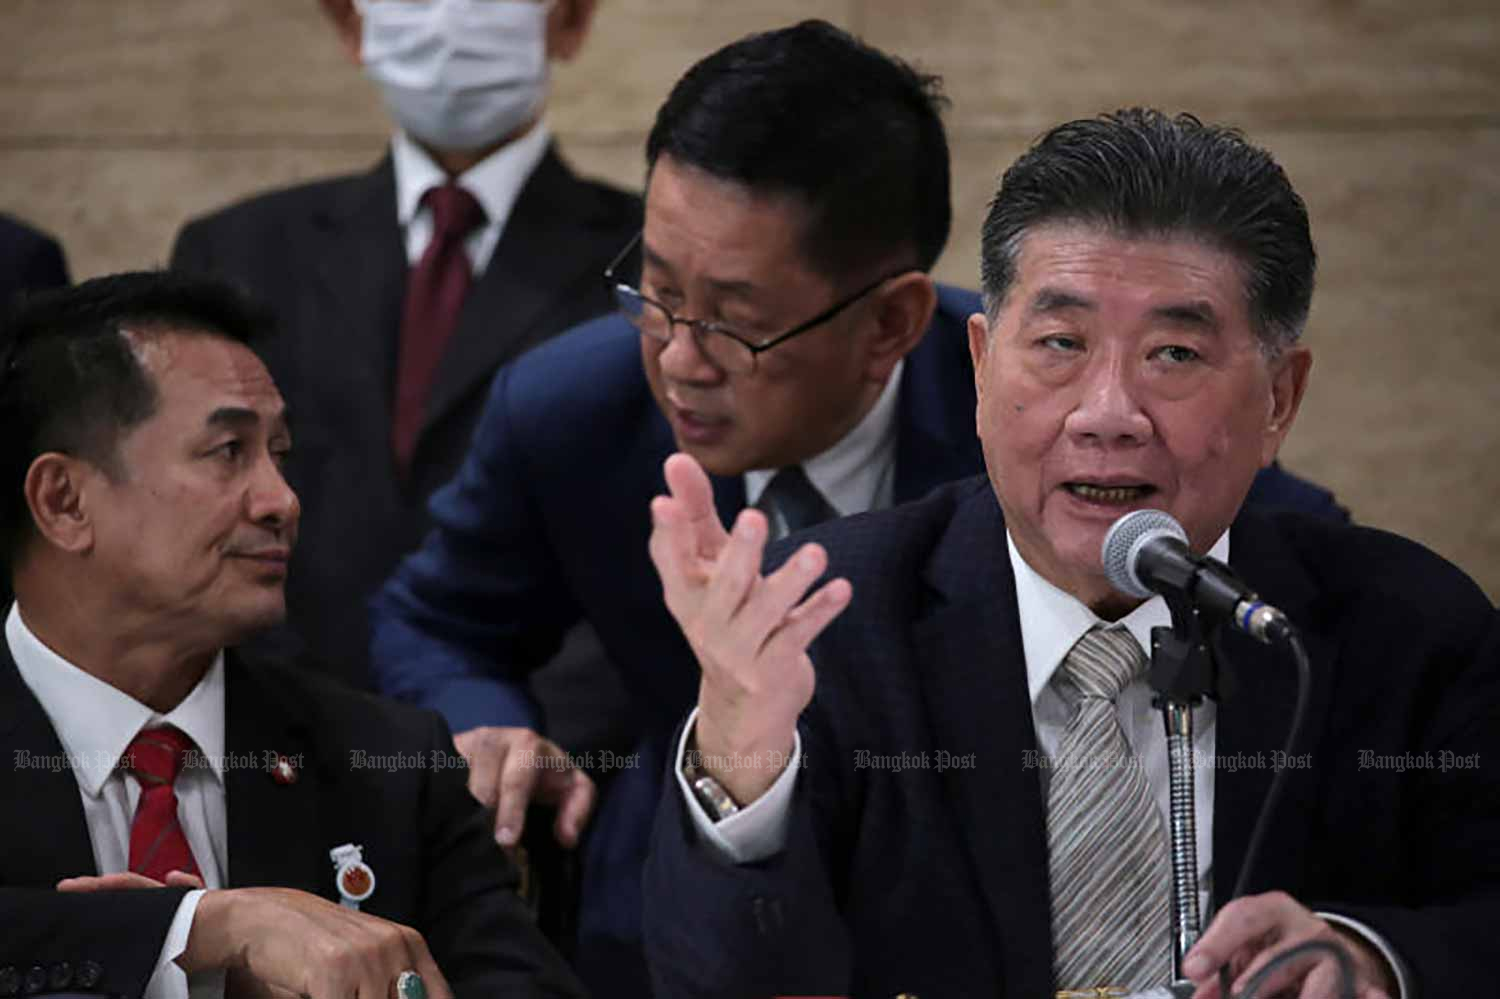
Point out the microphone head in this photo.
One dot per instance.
(1123, 544)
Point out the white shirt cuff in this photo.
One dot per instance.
(758, 829)
(169, 981)
(1392, 959)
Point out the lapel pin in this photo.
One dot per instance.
(282, 771)
(352, 876)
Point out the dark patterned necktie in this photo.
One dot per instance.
(792, 502)
(157, 842)
(1107, 844)
(435, 292)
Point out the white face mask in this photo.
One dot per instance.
(458, 74)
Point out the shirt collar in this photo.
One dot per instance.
(96, 722)
(849, 473)
(1052, 621)
(495, 181)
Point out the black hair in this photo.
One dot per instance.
(70, 380)
(1139, 172)
(812, 112)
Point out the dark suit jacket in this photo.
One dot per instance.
(547, 524)
(29, 261)
(429, 843)
(328, 258)
(934, 881)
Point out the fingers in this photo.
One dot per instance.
(108, 882)
(518, 779)
(807, 621)
(484, 755)
(774, 605)
(576, 807)
(1241, 923)
(673, 552)
(421, 961)
(181, 879)
(737, 571)
(689, 486)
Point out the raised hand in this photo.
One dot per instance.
(749, 632)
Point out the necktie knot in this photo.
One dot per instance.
(156, 755)
(455, 212)
(791, 497)
(1103, 663)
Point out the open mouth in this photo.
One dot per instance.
(1109, 495)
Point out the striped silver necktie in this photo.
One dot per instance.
(1107, 844)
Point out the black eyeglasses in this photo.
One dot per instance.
(729, 351)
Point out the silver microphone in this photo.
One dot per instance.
(1146, 552)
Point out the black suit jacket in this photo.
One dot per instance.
(29, 261)
(932, 878)
(328, 257)
(435, 861)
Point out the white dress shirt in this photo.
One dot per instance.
(1052, 622)
(96, 723)
(858, 473)
(495, 181)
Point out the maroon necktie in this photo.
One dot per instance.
(157, 842)
(435, 291)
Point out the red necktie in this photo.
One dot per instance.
(435, 291)
(157, 843)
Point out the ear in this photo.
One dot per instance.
(1288, 383)
(979, 345)
(55, 488)
(567, 26)
(903, 312)
(349, 25)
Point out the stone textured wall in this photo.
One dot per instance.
(121, 118)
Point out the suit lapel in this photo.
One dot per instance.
(53, 843)
(274, 828)
(973, 630)
(545, 254)
(1252, 722)
(360, 264)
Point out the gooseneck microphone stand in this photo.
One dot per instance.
(1183, 673)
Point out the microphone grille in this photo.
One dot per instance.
(1123, 543)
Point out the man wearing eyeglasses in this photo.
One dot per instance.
(779, 324)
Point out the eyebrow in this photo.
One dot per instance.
(720, 285)
(1049, 300)
(1199, 314)
(241, 416)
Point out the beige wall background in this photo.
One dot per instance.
(119, 119)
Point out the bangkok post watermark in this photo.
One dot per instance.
(592, 760)
(938, 760)
(1442, 761)
(192, 759)
(1035, 759)
(694, 759)
(435, 759)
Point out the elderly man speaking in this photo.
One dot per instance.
(875, 792)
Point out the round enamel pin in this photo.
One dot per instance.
(282, 771)
(352, 876)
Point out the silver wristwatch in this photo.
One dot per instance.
(716, 801)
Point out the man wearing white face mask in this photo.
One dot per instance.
(402, 290)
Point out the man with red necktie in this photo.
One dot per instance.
(178, 812)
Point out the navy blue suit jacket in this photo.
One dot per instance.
(933, 879)
(547, 523)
